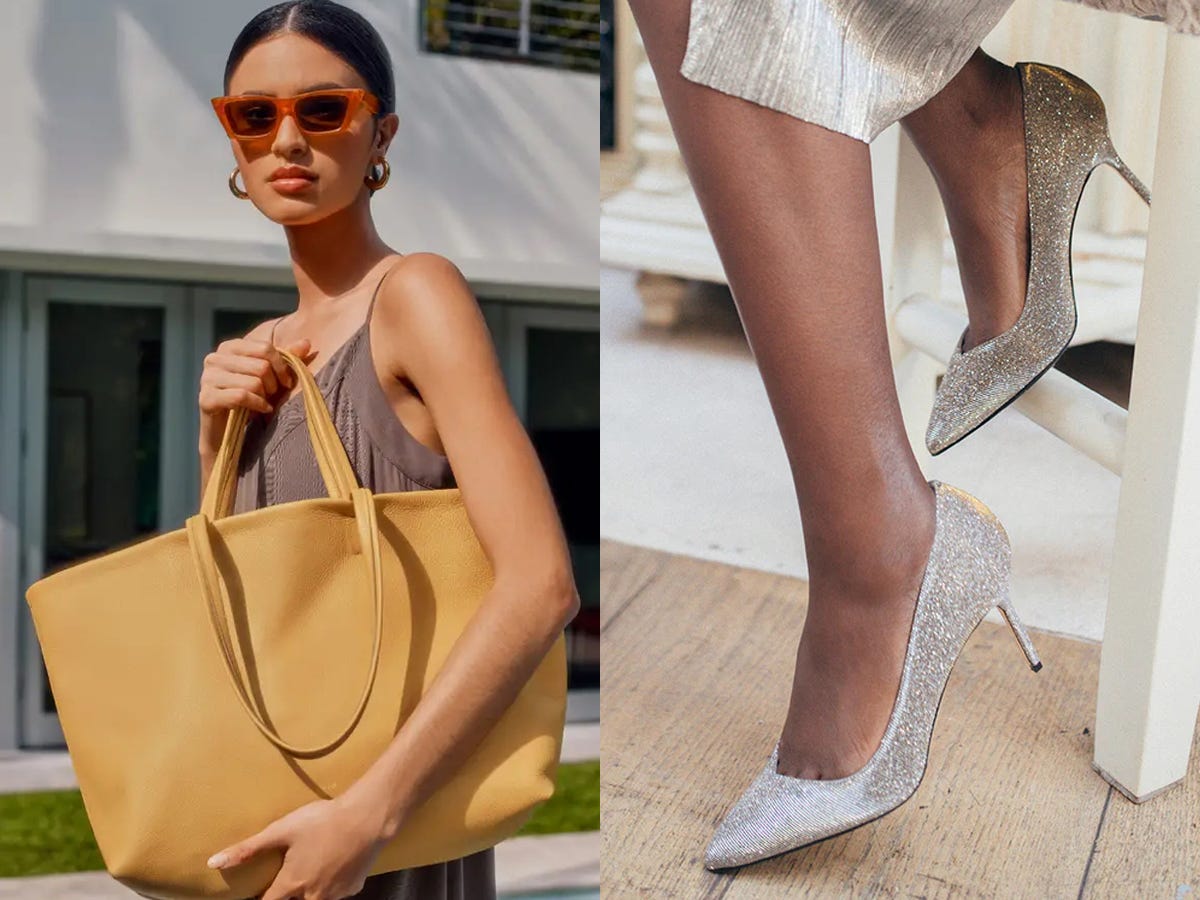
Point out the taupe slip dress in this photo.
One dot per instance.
(278, 465)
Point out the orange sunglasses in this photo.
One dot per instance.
(251, 117)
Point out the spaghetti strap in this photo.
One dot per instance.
(371, 305)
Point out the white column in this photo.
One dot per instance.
(655, 225)
(1149, 689)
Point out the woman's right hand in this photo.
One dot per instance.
(246, 372)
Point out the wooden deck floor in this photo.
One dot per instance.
(697, 662)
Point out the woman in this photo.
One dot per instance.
(406, 364)
(773, 105)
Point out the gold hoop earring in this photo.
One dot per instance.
(233, 187)
(377, 183)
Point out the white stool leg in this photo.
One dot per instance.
(1149, 689)
(910, 215)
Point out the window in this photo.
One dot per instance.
(564, 34)
(608, 87)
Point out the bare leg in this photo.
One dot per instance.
(790, 207)
(971, 135)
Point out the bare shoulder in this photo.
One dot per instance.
(426, 289)
(431, 323)
(426, 266)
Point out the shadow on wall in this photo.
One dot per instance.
(77, 68)
(529, 160)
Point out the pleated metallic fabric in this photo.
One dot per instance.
(1179, 15)
(853, 66)
(856, 66)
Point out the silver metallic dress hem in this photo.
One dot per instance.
(857, 66)
(853, 66)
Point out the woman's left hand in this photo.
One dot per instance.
(328, 848)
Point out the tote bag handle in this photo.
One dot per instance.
(218, 498)
(331, 456)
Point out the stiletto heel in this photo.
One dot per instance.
(1066, 139)
(1019, 632)
(966, 575)
(1111, 157)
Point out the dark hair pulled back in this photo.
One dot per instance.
(339, 29)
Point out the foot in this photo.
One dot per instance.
(851, 655)
(987, 207)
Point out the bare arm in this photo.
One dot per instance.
(435, 334)
(430, 315)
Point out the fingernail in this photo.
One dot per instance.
(217, 860)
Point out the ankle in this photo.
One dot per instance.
(879, 562)
(972, 124)
(995, 102)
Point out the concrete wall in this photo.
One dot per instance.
(108, 142)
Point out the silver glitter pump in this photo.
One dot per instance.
(1066, 138)
(967, 574)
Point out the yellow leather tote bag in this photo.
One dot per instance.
(212, 679)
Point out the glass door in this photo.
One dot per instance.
(553, 365)
(103, 429)
(11, 602)
(106, 450)
(220, 313)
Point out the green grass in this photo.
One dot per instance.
(47, 832)
(575, 805)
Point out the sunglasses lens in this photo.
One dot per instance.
(322, 112)
(251, 118)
